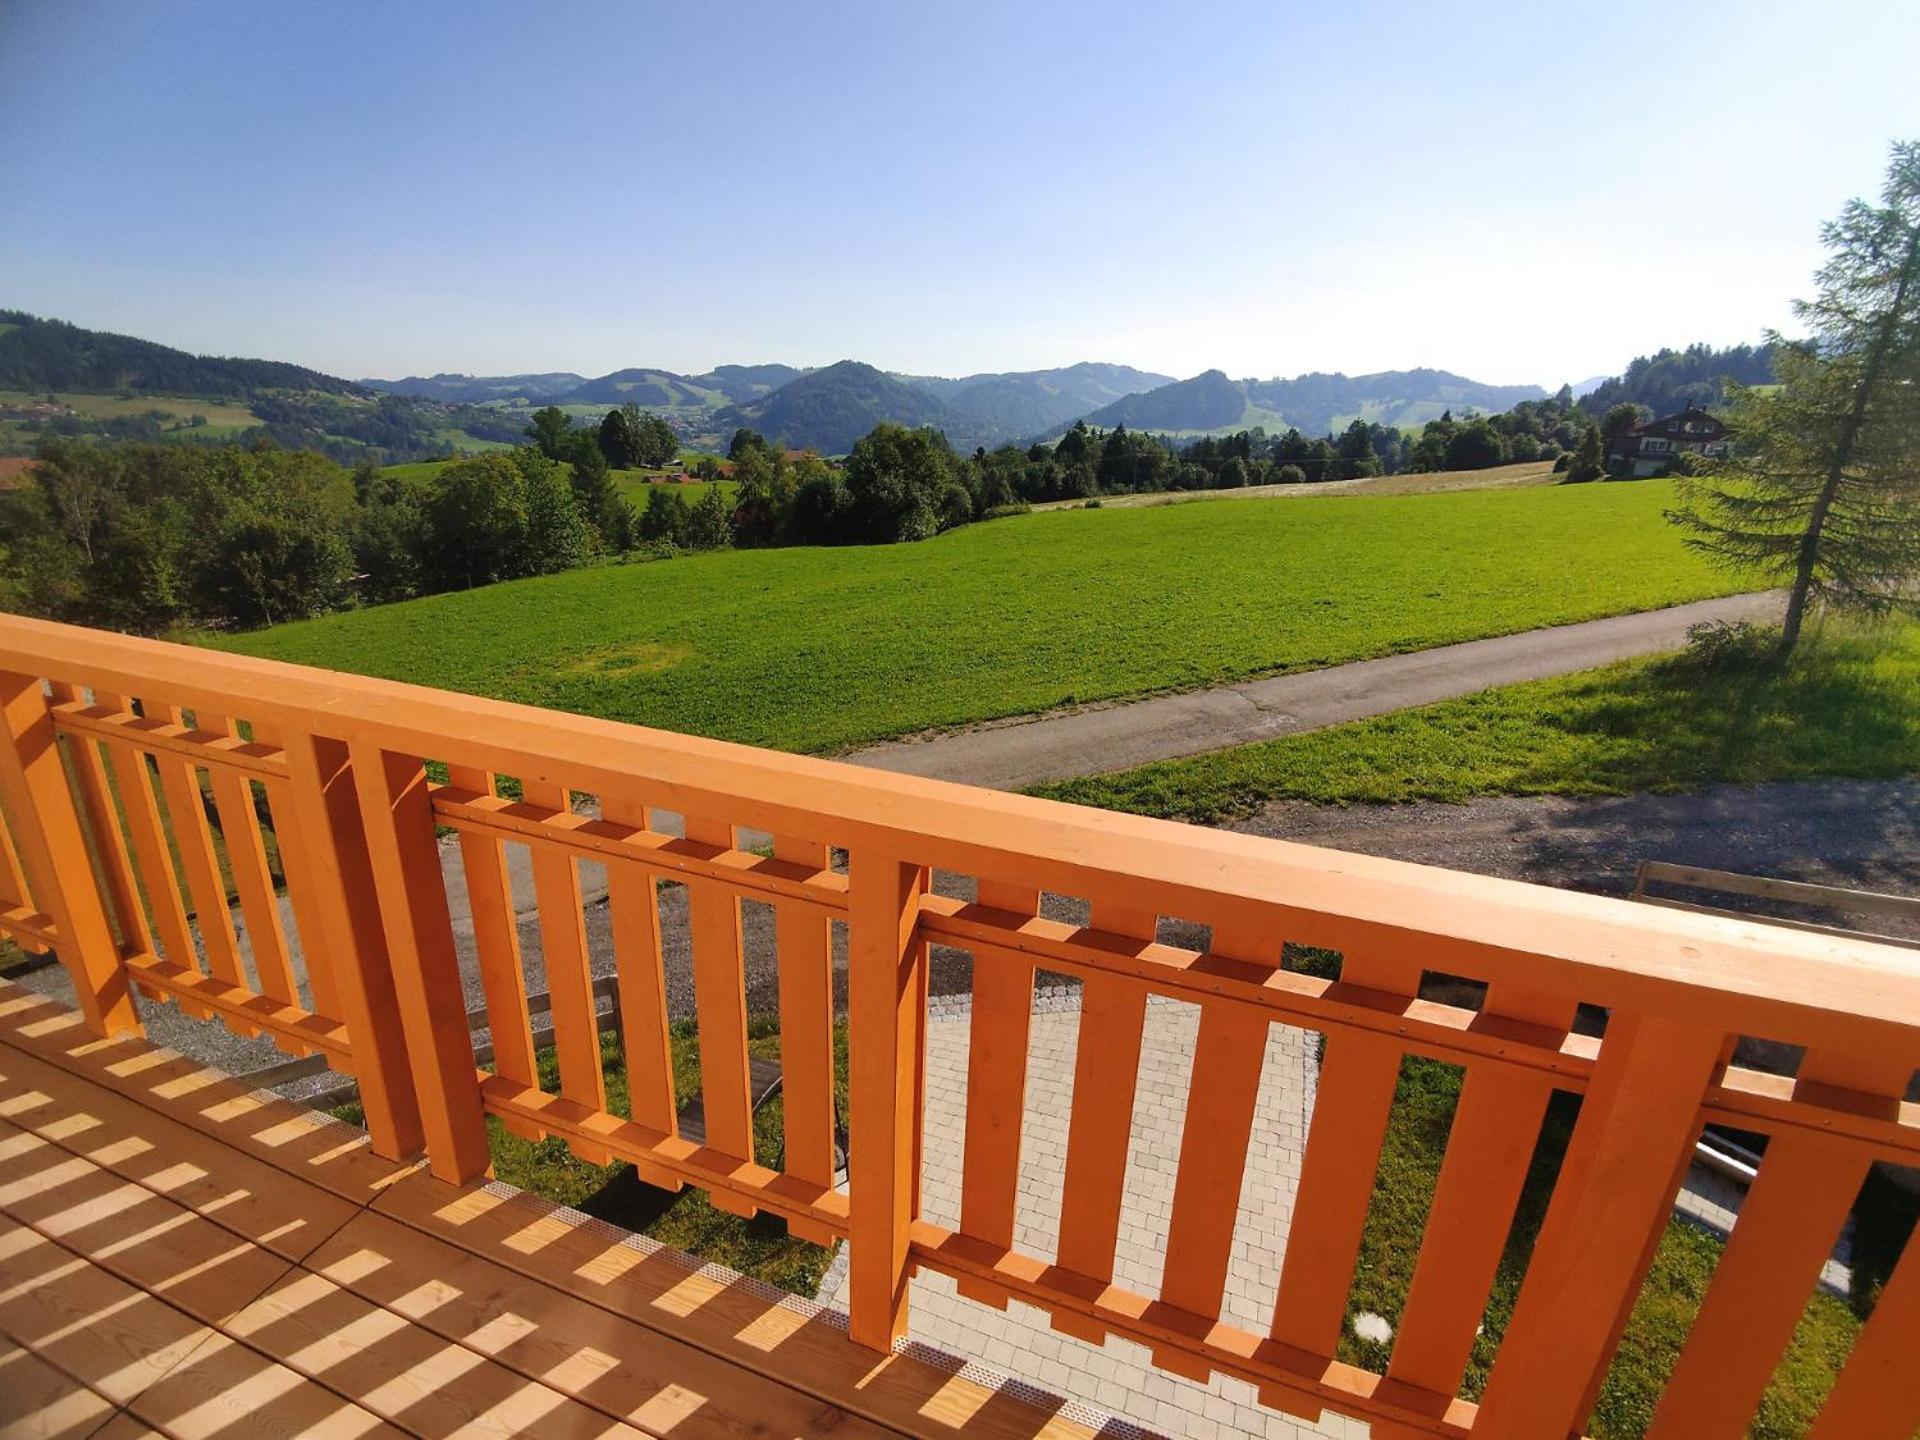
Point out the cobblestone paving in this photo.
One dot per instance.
(1118, 1377)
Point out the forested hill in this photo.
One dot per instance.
(1674, 379)
(51, 355)
(830, 408)
(478, 389)
(1315, 404)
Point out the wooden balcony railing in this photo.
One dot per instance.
(342, 766)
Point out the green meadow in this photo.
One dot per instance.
(1847, 704)
(820, 649)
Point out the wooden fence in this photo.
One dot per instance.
(112, 860)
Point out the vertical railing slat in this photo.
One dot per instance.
(803, 948)
(103, 824)
(134, 779)
(1787, 1225)
(640, 972)
(720, 1004)
(33, 782)
(1228, 1055)
(884, 955)
(13, 883)
(1489, 1149)
(1001, 1017)
(252, 879)
(563, 943)
(1359, 1072)
(1877, 1396)
(496, 941)
(193, 839)
(1106, 1074)
(302, 894)
(1637, 1123)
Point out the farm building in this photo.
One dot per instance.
(1649, 449)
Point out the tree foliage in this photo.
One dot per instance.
(1824, 490)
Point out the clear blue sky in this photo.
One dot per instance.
(1518, 191)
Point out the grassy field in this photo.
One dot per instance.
(1849, 704)
(1496, 477)
(112, 407)
(635, 484)
(224, 419)
(818, 649)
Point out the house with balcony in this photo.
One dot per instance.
(1650, 449)
(185, 1254)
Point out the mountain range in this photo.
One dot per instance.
(825, 409)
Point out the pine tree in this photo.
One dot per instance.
(1588, 458)
(1825, 491)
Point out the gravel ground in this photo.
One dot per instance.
(1857, 833)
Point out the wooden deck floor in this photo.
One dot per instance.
(181, 1256)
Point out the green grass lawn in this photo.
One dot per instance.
(1848, 704)
(1682, 1268)
(635, 484)
(818, 649)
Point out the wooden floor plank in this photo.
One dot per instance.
(39, 1402)
(607, 1361)
(277, 1132)
(224, 1389)
(421, 1308)
(126, 1427)
(135, 1235)
(733, 1319)
(283, 1213)
(147, 1240)
(404, 1373)
(104, 1333)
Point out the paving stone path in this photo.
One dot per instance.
(1117, 1376)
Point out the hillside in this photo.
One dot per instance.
(50, 355)
(1025, 402)
(828, 409)
(1671, 380)
(479, 389)
(1315, 404)
(60, 381)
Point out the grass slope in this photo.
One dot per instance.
(815, 649)
(1849, 704)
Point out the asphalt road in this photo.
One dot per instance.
(1016, 754)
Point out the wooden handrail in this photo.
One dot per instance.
(339, 764)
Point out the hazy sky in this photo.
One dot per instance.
(1517, 191)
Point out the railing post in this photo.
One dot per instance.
(886, 961)
(53, 851)
(397, 809)
(333, 845)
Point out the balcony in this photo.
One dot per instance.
(509, 1311)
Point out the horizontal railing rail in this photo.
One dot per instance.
(143, 782)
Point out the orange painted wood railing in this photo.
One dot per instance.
(135, 777)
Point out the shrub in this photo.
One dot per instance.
(817, 515)
(1729, 645)
(1289, 475)
(956, 506)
